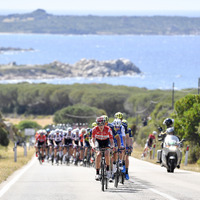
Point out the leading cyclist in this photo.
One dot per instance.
(102, 134)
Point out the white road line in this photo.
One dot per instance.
(154, 190)
(13, 180)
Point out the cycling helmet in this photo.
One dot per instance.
(41, 132)
(94, 124)
(69, 129)
(48, 130)
(100, 121)
(57, 131)
(117, 122)
(83, 130)
(105, 118)
(119, 115)
(125, 121)
(88, 130)
(154, 132)
(168, 122)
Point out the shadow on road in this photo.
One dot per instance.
(128, 187)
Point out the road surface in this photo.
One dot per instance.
(147, 182)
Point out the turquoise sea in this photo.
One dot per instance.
(162, 59)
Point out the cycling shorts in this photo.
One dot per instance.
(103, 143)
(87, 144)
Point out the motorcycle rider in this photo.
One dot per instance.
(170, 130)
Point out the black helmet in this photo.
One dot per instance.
(168, 122)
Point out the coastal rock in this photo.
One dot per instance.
(83, 68)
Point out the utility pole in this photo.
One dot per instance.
(173, 96)
(199, 86)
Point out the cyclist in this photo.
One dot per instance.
(86, 143)
(102, 134)
(40, 142)
(129, 148)
(151, 139)
(57, 143)
(119, 131)
(50, 142)
(119, 115)
(67, 142)
(47, 131)
(83, 131)
(76, 144)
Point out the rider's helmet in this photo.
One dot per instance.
(154, 132)
(119, 115)
(94, 124)
(88, 130)
(100, 121)
(168, 122)
(57, 131)
(69, 129)
(105, 118)
(125, 122)
(48, 130)
(117, 123)
(42, 132)
(83, 131)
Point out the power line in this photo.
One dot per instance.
(75, 116)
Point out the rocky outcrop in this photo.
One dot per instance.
(83, 68)
(6, 49)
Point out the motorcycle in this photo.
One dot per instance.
(171, 154)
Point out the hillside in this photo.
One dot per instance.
(41, 22)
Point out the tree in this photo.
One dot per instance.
(4, 140)
(78, 113)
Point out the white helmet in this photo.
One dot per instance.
(69, 129)
(117, 122)
(83, 130)
(154, 132)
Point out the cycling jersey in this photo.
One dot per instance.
(121, 133)
(67, 138)
(86, 139)
(150, 140)
(76, 138)
(130, 133)
(104, 135)
(41, 138)
(57, 138)
(125, 127)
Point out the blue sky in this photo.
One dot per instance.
(99, 5)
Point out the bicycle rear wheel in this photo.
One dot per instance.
(103, 176)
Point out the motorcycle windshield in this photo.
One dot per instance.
(171, 140)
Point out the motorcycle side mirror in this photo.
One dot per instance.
(183, 140)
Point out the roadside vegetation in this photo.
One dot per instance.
(144, 109)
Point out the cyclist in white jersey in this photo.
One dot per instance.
(67, 142)
(76, 139)
(50, 142)
(57, 143)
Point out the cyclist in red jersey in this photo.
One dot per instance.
(40, 142)
(151, 139)
(103, 136)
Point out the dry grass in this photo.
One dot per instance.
(41, 120)
(7, 164)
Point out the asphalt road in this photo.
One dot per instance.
(147, 182)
